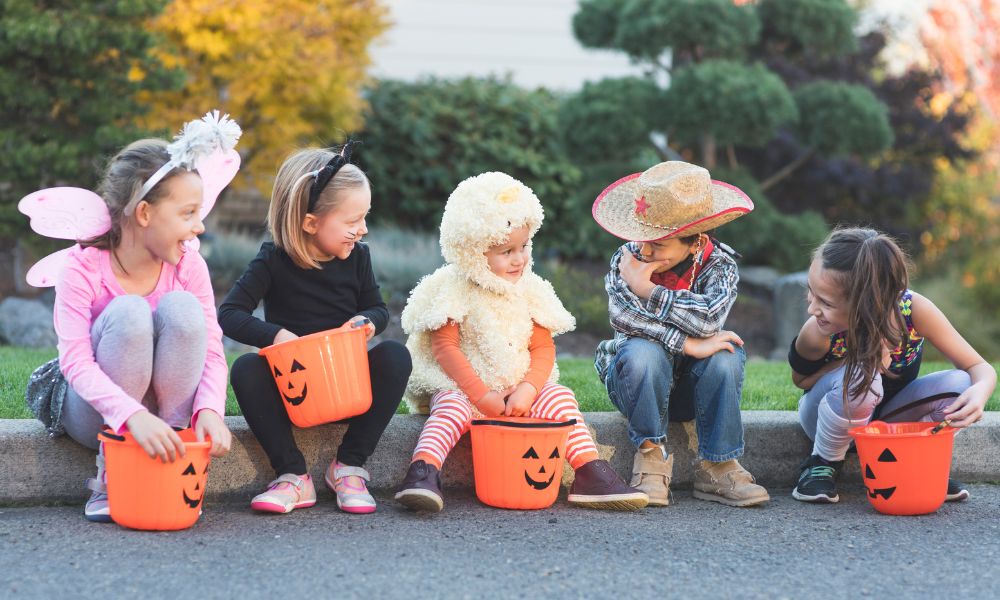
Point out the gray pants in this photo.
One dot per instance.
(156, 357)
(822, 414)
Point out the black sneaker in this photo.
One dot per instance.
(421, 488)
(957, 491)
(817, 481)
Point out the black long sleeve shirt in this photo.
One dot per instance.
(303, 301)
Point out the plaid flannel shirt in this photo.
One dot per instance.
(669, 316)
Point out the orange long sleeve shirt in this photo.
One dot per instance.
(448, 352)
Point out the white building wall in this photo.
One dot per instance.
(532, 40)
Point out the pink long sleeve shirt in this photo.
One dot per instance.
(83, 291)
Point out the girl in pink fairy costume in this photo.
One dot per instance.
(139, 346)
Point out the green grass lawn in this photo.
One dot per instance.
(767, 387)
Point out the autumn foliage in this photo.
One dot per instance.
(290, 71)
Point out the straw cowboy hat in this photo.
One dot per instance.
(671, 199)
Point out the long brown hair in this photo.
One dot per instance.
(873, 273)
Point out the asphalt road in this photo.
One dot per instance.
(694, 549)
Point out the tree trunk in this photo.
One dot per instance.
(787, 170)
(731, 154)
(708, 151)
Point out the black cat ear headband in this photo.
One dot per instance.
(324, 175)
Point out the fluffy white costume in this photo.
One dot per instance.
(494, 315)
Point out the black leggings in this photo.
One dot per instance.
(389, 365)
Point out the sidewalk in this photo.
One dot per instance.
(37, 469)
(692, 550)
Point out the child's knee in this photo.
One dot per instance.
(461, 411)
(857, 409)
(179, 301)
(954, 381)
(129, 315)
(394, 356)
(250, 370)
(726, 366)
(456, 405)
(180, 313)
(639, 355)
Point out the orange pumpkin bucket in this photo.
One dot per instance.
(518, 461)
(322, 377)
(145, 493)
(904, 465)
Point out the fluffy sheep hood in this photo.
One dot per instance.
(495, 315)
(480, 213)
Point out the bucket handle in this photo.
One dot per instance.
(111, 436)
(567, 423)
(120, 438)
(940, 426)
(919, 402)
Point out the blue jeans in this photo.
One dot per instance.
(643, 376)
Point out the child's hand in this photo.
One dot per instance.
(636, 273)
(520, 400)
(492, 403)
(210, 424)
(968, 407)
(156, 437)
(705, 347)
(369, 328)
(284, 336)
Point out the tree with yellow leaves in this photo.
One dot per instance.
(289, 71)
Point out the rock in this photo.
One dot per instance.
(760, 277)
(26, 323)
(789, 311)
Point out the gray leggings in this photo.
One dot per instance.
(156, 357)
(821, 409)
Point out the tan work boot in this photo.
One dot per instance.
(728, 483)
(651, 473)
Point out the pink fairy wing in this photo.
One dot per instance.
(216, 170)
(46, 271)
(66, 213)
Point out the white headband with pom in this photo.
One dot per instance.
(200, 137)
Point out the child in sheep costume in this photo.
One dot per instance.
(480, 332)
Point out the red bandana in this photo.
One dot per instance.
(673, 281)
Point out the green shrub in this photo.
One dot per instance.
(423, 138)
(401, 257)
(959, 303)
(733, 102)
(582, 294)
(766, 236)
(228, 255)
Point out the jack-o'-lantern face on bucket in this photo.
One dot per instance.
(871, 481)
(191, 476)
(292, 385)
(536, 474)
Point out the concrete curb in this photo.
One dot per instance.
(37, 469)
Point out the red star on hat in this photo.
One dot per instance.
(641, 205)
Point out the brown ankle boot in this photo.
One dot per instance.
(598, 486)
(727, 483)
(651, 473)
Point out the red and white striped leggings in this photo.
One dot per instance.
(451, 414)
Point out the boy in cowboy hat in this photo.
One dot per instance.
(670, 289)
